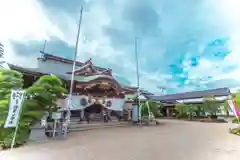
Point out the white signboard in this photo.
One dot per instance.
(43, 122)
(56, 115)
(16, 100)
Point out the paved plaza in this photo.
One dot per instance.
(169, 141)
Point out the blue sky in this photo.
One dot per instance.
(183, 45)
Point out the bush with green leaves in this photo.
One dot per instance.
(40, 97)
(235, 131)
(236, 120)
(186, 111)
(211, 106)
(153, 106)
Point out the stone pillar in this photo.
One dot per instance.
(109, 112)
(82, 114)
(129, 107)
(168, 113)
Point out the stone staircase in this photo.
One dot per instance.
(96, 117)
(76, 125)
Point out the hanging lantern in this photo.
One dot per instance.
(83, 102)
(100, 101)
(109, 104)
(93, 100)
(97, 101)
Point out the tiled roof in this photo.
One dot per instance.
(190, 95)
(65, 60)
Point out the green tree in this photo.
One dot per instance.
(236, 98)
(226, 107)
(185, 110)
(38, 98)
(153, 106)
(211, 106)
(47, 90)
(182, 110)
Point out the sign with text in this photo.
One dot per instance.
(56, 115)
(16, 100)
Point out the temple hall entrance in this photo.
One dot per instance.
(94, 108)
(96, 112)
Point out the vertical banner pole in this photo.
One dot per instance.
(18, 120)
(54, 128)
(14, 136)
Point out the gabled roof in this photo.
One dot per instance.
(145, 92)
(191, 95)
(46, 56)
(28, 71)
(88, 64)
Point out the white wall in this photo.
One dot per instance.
(117, 104)
(56, 67)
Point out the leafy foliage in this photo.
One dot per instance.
(46, 91)
(210, 105)
(226, 107)
(184, 111)
(235, 131)
(236, 97)
(40, 97)
(236, 120)
(153, 106)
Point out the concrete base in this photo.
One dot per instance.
(37, 133)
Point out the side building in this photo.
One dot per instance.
(194, 97)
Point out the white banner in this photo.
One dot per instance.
(16, 100)
(231, 105)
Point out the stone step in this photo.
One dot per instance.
(91, 127)
(95, 118)
(96, 124)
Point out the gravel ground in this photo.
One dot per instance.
(169, 141)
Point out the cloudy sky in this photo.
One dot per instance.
(183, 45)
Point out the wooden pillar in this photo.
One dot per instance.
(109, 112)
(82, 114)
(168, 113)
(129, 107)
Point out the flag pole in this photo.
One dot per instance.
(137, 74)
(73, 69)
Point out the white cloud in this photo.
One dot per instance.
(229, 11)
(226, 13)
(24, 21)
(28, 20)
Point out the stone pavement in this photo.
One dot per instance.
(170, 141)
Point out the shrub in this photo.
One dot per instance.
(40, 97)
(235, 131)
(236, 120)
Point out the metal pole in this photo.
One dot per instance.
(44, 46)
(137, 69)
(136, 56)
(73, 68)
